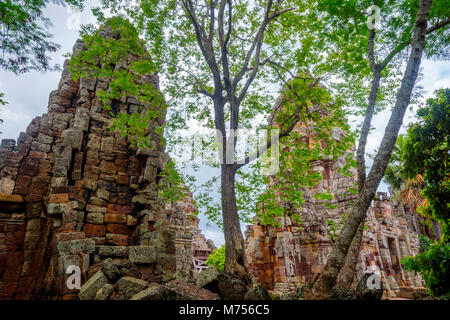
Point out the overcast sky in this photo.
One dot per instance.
(28, 94)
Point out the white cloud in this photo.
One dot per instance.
(442, 83)
(216, 236)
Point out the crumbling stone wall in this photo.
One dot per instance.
(390, 236)
(201, 249)
(76, 193)
(192, 247)
(281, 259)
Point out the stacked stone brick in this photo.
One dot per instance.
(182, 214)
(390, 236)
(201, 249)
(192, 246)
(74, 193)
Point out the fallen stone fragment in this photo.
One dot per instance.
(370, 287)
(104, 292)
(180, 290)
(207, 279)
(155, 291)
(142, 255)
(231, 286)
(110, 270)
(128, 287)
(89, 290)
(127, 268)
(112, 251)
(342, 293)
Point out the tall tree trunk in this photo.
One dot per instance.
(437, 230)
(235, 261)
(361, 150)
(322, 287)
(347, 274)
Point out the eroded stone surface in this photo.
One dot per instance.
(153, 292)
(128, 287)
(192, 247)
(282, 259)
(180, 290)
(89, 290)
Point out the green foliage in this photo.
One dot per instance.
(434, 266)
(172, 183)
(309, 42)
(249, 184)
(395, 174)
(2, 103)
(424, 151)
(25, 43)
(114, 53)
(321, 118)
(424, 243)
(334, 227)
(103, 58)
(343, 28)
(292, 47)
(273, 296)
(217, 258)
(170, 37)
(428, 154)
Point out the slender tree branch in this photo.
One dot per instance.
(327, 278)
(438, 26)
(204, 43)
(371, 55)
(256, 42)
(209, 56)
(376, 71)
(403, 45)
(202, 87)
(223, 46)
(256, 65)
(285, 132)
(230, 17)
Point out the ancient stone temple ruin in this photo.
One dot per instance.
(192, 247)
(74, 194)
(284, 258)
(201, 249)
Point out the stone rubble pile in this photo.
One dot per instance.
(119, 279)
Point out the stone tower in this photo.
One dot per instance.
(74, 193)
(282, 259)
